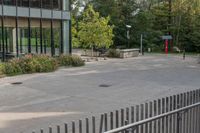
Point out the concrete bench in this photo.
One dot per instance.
(128, 53)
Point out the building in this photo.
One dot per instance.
(34, 26)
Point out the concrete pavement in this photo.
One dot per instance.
(72, 93)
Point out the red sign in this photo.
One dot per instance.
(166, 46)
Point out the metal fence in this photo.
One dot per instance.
(174, 114)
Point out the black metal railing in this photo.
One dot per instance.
(174, 114)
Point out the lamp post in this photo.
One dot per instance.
(128, 34)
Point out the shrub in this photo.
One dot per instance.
(65, 60)
(68, 60)
(30, 64)
(2, 70)
(38, 63)
(77, 61)
(113, 53)
(45, 63)
(12, 67)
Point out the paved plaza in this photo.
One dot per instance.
(74, 93)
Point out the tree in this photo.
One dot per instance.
(95, 31)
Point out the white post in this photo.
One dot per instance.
(141, 44)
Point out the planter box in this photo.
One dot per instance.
(128, 53)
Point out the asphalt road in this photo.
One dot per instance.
(72, 93)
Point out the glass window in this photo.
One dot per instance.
(46, 4)
(24, 3)
(35, 3)
(57, 36)
(46, 31)
(35, 35)
(65, 4)
(9, 2)
(10, 35)
(23, 35)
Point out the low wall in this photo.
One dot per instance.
(128, 53)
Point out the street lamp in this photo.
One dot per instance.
(128, 34)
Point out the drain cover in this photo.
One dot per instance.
(104, 85)
(16, 83)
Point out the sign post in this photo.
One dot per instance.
(167, 38)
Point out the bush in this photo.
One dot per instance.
(2, 70)
(68, 60)
(30, 64)
(77, 61)
(113, 53)
(65, 60)
(38, 63)
(12, 67)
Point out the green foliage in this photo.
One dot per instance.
(95, 31)
(153, 19)
(113, 53)
(68, 61)
(13, 67)
(38, 64)
(30, 64)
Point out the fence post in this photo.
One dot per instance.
(73, 127)
(66, 128)
(101, 124)
(117, 118)
(87, 125)
(58, 129)
(93, 125)
(80, 126)
(111, 120)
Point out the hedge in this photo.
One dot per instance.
(38, 64)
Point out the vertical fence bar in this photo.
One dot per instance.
(146, 116)
(58, 129)
(188, 113)
(105, 122)
(155, 113)
(117, 119)
(122, 117)
(132, 117)
(87, 125)
(150, 115)
(73, 127)
(184, 113)
(194, 112)
(101, 124)
(80, 126)
(141, 117)
(127, 115)
(174, 116)
(93, 125)
(178, 115)
(198, 111)
(163, 111)
(111, 120)
(50, 130)
(66, 128)
(137, 118)
(159, 112)
(167, 117)
(170, 117)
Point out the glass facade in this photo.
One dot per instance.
(46, 4)
(39, 35)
